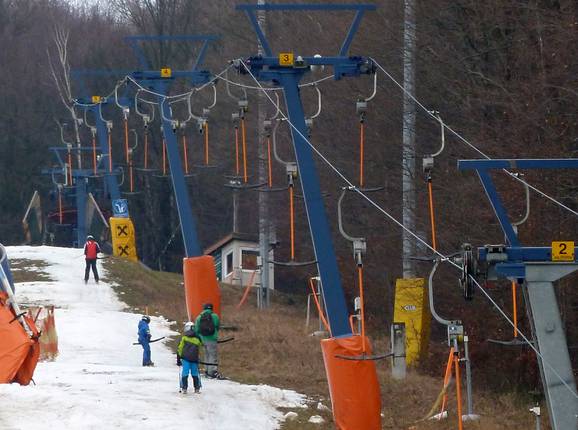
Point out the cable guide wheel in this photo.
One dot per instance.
(469, 271)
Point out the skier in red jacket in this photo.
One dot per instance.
(91, 250)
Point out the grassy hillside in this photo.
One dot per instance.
(273, 347)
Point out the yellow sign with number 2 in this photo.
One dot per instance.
(563, 251)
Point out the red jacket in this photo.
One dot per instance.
(91, 249)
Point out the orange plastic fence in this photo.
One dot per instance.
(353, 384)
(48, 339)
(201, 285)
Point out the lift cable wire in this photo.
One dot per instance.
(411, 233)
(468, 143)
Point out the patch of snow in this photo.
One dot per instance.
(97, 378)
(316, 419)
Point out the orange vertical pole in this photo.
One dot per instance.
(164, 158)
(126, 140)
(458, 390)
(206, 129)
(185, 154)
(146, 150)
(447, 377)
(130, 172)
(244, 140)
(109, 152)
(515, 307)
(237, 170)
(94, 154)
(59, 205)
(432, 214)
(292, 221)
(69, 168)
(361, 151)
(269, 168)
(361, 299)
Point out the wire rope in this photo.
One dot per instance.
(411, 233)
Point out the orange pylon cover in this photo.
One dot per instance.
(18, 351)
(353, 384)
(201, 285)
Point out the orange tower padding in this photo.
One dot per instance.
(353, 384)
(201, 285)
(18, 352)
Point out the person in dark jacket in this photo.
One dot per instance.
(188, 357)
(91, 250)
(207, 326)
(144, 338)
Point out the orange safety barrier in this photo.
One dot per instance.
(247, 289)
(353, 384)
(201, 285)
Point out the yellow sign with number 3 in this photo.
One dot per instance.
(563, 251)
(286, 59)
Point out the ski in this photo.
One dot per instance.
(151, 341)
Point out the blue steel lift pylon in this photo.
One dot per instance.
(538, 268)
(199, 271)
(121, 227)
(353, 385)
(78, 190)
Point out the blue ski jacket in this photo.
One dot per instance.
(144, 333)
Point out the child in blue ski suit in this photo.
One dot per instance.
(144, 337)
(188, 357)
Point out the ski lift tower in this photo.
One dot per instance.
(537, 268)
(121, 226)
(199, 271)
(353, 384)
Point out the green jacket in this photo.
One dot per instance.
(216, 321)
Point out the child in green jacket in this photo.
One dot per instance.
(188, 357)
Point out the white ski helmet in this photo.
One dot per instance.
(189, 325)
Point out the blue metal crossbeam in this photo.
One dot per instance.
(552, 163)
(359, 9)
(139, 52)
(482, 168)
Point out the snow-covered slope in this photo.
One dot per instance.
(97, 381)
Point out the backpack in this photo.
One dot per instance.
(207, 324)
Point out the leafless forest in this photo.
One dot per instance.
(503, 74)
